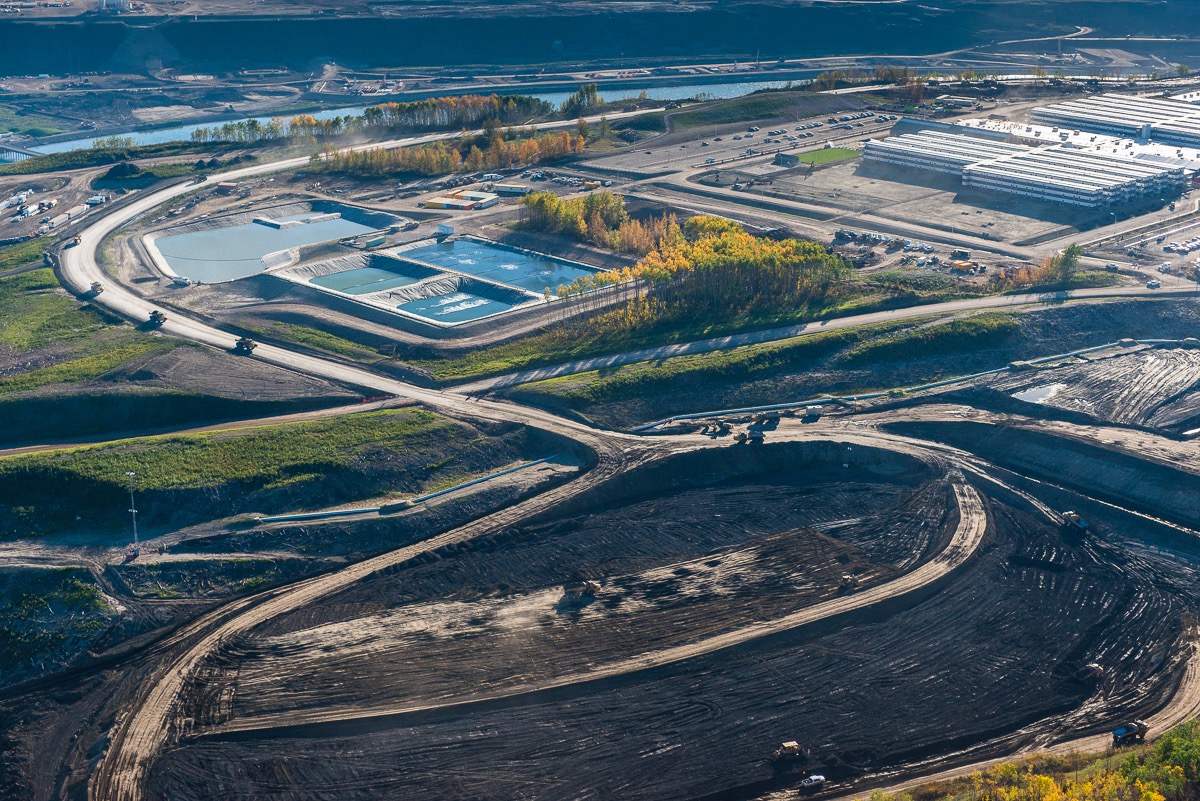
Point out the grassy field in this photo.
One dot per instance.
(34, 312)
(844, 361)
(750, 108)
(186, 478)
(23, 253)
(558, 346)
(318, 340)
(29, 124)
(828, 155)
(37, 316)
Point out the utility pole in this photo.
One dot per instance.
(133, 512)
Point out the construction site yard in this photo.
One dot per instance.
(477, 674)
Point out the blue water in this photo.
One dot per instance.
(226, 254)
(364, 280)
(529, 271)
(456, 307)
(180, 133)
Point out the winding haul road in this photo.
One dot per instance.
(154, 722)
(967, 537)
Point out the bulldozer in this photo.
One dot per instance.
(581, 589)
(244, 346)
(789, 752)
(157, 318)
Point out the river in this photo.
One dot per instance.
(184, 132)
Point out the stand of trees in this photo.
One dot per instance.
(707, 269)
(434, 114)
(501, 149)
(599, 218)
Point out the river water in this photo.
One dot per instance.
(184, 132)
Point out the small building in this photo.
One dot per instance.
(512, 190)
(958, 102)
(787, 160)
(450, 203)
(482, 200)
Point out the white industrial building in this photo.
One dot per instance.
(1055, 174)
(1166, 121)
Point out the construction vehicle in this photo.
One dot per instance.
(245, 346)
(97, 288)
(1130, 733)
(756, 436)
(157, 318)
(789, 752)
(740, 437)
(1073, 520)
(581, 589)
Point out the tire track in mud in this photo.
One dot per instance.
(968, 536)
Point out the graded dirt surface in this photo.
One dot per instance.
(1154, 388)
(509, 688)
(714, 567)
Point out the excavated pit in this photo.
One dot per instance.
(687, 548)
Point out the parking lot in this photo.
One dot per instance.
(710, 148)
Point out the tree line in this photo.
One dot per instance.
(433, 114)
(503, 149)
(707, 268)
(599, 218)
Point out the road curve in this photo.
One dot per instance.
(968, 535)
(121, 775)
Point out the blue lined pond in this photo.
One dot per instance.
(532, 272)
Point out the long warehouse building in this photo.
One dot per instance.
(1055, 174)
(1169, 122)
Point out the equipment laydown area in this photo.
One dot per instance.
(878, 599)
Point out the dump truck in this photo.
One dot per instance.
(157, 318)
(97, 287)
(757, 436)
(245, 346)
(1130, 733)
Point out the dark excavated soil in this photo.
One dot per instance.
(990, 653)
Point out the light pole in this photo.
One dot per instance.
(133, 510)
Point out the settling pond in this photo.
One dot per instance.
(532, 272)
(226, 254)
